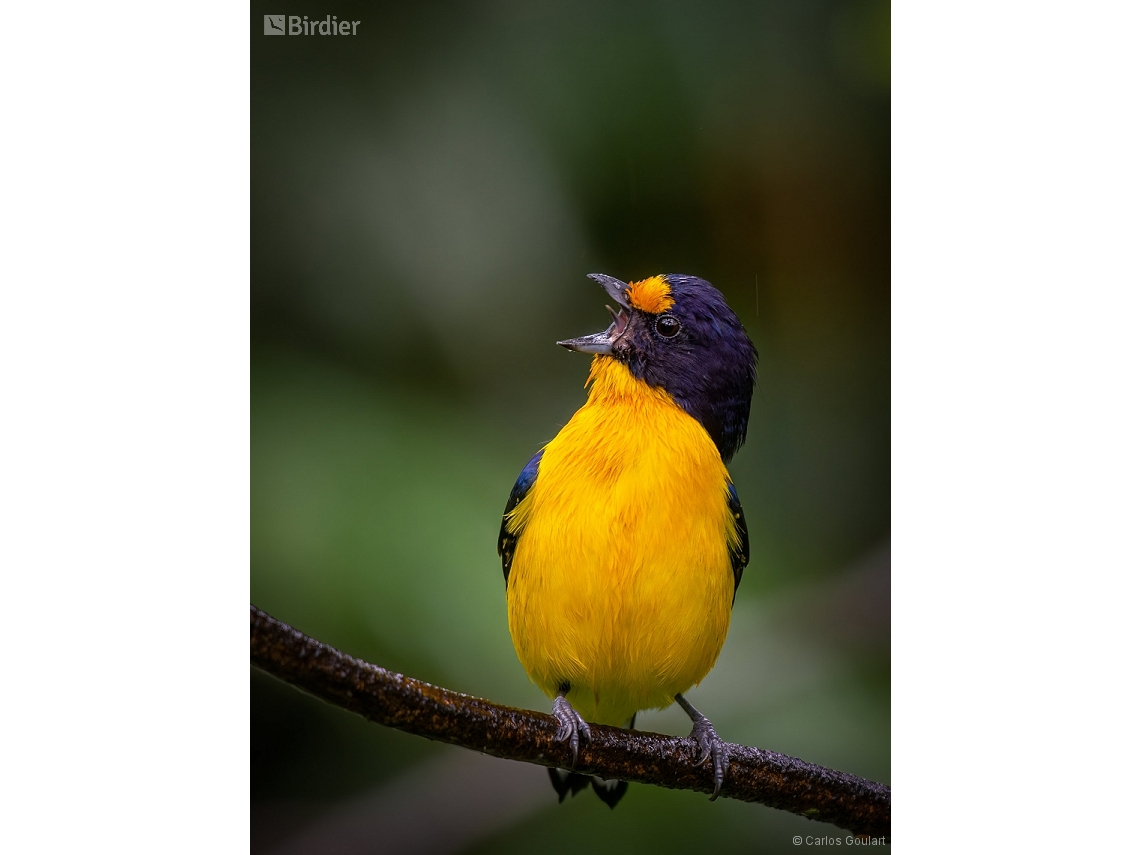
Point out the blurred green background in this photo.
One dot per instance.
(427, 199)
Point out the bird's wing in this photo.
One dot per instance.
(507, 540)
(738, 554)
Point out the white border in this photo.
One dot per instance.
(124, 359)
(1014, 207)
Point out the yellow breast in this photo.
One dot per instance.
(621, 583)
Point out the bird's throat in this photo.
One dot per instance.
(611, 381)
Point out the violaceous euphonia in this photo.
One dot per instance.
(623, 541)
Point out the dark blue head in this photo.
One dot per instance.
(676, 332)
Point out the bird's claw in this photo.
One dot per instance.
(571, 726)
(711, 746)
(708, 741)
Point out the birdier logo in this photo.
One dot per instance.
(300, 25)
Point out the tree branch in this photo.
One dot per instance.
(393, 700)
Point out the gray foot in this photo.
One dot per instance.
(710, 743)
(573, 726)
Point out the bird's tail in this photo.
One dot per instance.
(572, 783)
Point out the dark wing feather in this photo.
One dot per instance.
(522, 486)
(739, 556)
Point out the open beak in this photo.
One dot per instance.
(603, 342)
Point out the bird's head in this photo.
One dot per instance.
(677, 333)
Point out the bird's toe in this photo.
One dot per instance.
(711, 747)
(572, 726)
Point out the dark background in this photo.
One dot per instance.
(427, 198)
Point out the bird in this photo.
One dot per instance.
(623, 541)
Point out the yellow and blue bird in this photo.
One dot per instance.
(623, 541)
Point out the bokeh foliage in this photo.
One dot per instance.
(427, 198)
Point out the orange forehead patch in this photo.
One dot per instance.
(651, 295)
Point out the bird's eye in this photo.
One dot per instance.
(668, 326)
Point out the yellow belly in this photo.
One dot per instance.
(621, 583)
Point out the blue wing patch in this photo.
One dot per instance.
(522, 486)
(740, 555)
